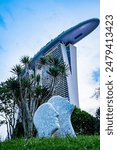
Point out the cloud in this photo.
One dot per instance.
(96, 75)
(88, 71)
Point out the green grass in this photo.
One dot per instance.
(81, 142)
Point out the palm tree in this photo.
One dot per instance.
(56, 68)
(8, 104)
(17, 70)
(31, 93)
(43, 61)
(25, 60)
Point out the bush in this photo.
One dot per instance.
(83, 122)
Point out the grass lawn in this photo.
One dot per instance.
(81, 142)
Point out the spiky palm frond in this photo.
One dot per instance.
(12, 84)
(53, 71)
(38, 90)
(25, 60)
(17, 69)
(25, 83)
(64, 69)
(38, 78)
(44, 92)
(43, 61)
(53, 61)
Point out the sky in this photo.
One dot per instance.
(27, 25)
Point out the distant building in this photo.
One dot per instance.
(63, 47)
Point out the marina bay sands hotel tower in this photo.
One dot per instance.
(63, 47)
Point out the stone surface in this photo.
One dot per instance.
(64, 109)
(46, 120)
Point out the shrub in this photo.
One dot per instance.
(83, 122)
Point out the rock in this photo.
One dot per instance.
(46, 120)
(64, 109)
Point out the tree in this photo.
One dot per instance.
(17, 70)
(83, 122)
(27, 93)
(27, 103)
(55, 68)
(7, 108)
(31, 92)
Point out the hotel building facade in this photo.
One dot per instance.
(63, 47)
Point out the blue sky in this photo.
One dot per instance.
(27, 25)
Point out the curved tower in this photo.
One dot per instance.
(63, 46)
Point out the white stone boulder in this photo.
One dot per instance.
(46, 120)
(64, 109)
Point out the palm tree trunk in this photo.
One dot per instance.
(46, 98)
(23, 108)
(29, 120)
(8, 136)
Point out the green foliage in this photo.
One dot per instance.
(25, 92)
(18, 131)
(17, 69)
(40, 91)
(7, 105)
(97, 121)
(68, 143)
(54, 72)
(25, 60)
(83, 122)
(56, 67)
(42, 61)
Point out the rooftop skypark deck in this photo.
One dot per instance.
(70, 36)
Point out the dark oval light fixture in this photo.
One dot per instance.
(76, 37)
